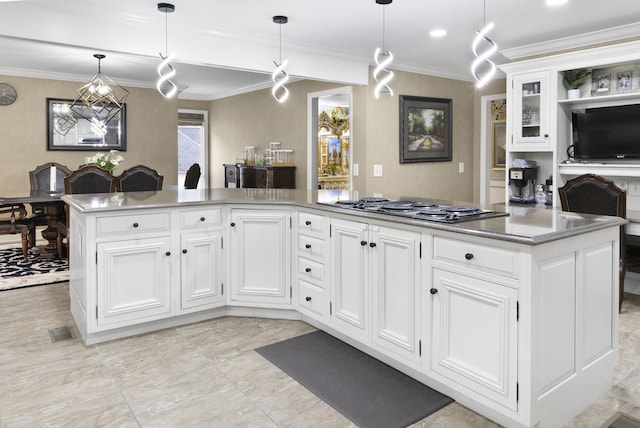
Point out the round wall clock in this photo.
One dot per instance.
(7, 94)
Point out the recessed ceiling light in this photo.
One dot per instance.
(438, 32)
(556, 2)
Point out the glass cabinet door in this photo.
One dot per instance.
(530, 111)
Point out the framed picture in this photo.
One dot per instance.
(425, 129)
(623, 81)
(69, 129)
(499, 144)
(602, 83)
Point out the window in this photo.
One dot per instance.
(192, 144)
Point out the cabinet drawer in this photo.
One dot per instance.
(151, 222)
(472, 255)
(310, 270)
(310, 223)
(200, 217)
(310, 297)
(310, 246)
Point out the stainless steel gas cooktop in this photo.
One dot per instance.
(421, 210)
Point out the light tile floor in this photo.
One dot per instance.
(200, 375)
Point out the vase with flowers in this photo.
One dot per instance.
(106, 161)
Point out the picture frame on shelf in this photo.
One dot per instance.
(425, 129)
(499, 145)
(601, 82)
(623, 81)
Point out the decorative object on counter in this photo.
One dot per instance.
(105, 161)
(279, 75)
(573, 80)
(249, 155)
(425, 129)
(102, 96)
(383, 59)
(69, 130)
(483, 57)
(166, 72)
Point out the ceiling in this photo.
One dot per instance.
(224, 48)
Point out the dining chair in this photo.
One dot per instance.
(593, 194)
(192, 177)
(140, 178)
(17, 224)
(40, 180)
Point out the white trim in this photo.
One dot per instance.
(204, 165)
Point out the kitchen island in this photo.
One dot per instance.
(513, 316)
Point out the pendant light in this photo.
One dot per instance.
(485, 75)
(279, 75)
(166, 72)
(383, 59)
(103, 98)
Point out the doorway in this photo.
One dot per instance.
(330, 140)
(193, 144)
(493, 113)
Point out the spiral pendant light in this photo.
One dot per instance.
(279, 75)
(482, 67)
(165, 71)
(383, 58)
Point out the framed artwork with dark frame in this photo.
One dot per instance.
(425, 129)
(499, 144)
(69, 129)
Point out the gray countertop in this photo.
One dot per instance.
(525, 224)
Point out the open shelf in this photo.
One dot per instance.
(606, 169)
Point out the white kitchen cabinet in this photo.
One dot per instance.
(260, 250)
(350, 277)
(530, 112)
(395, 280)
(474, 335)
(201, 258)
(133, 281)
(312, 267)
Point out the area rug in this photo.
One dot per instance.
(16, 272)
(621, 420)
(366, 391)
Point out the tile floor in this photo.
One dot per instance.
(200, 375)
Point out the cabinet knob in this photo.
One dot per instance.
(233, 224)
(433, 291)
(372, 244)
(546, 135)
(168, 253)
(363, 243)
(202, 219)
(308, 223)
(468, 256)
(307, 270)
(135, 224)
(308, 299)
(184, 251)
(308, 246)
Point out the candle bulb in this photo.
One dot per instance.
(52, 178)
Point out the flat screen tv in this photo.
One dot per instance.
(607, 133)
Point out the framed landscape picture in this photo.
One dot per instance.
(425, 129)
(499, 144)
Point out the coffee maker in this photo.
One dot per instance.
(523, 182)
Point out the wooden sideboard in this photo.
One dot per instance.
(265, 177)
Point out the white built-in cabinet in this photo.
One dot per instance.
(260, 254)
(539, 113)
(312, 264)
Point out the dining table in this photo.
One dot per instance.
(54, 209)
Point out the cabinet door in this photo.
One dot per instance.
(134, 279)
(260, 257)
(531, 112)
(200, 265)
(349, 261)
(474, 335)
(395, 273)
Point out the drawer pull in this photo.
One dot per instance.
(363, 243)
(168, 253)
(233, 224)
(184, 251)
(468, 256)
(372, 244)
(202, 219)
(135, 224)
(308, 299)
(308, 223)
(308, 270)
(433, 291)
(308, 246)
